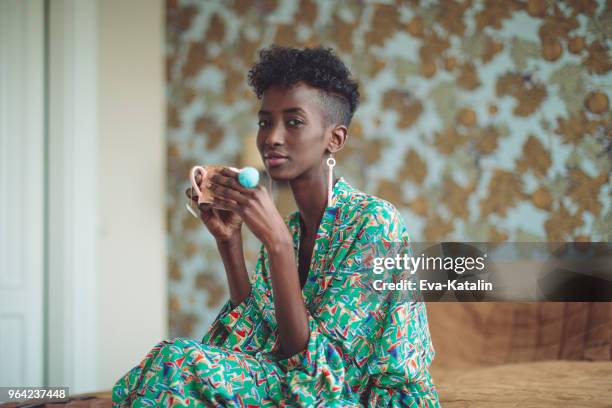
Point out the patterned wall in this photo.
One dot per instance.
(480, 120)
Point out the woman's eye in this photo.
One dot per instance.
(292, 122)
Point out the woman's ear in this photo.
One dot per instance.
(338, 138)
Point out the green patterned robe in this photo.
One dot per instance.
(366, 348)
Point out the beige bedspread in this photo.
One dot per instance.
(541, 384)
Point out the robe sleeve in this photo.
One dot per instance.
(228, 317)
(353, 340)
(241, 328)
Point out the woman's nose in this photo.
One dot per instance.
(275, 136)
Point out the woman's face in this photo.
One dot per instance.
(291, 137)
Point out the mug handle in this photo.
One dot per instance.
(196, 187)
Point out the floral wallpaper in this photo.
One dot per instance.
(480, 120)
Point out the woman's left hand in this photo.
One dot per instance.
(254, 205)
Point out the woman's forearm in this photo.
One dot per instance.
(235, 269)
(291, 317)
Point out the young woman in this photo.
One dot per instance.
(304, 330)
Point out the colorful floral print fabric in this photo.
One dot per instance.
(366, 348)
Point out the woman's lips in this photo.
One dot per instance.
(275, 161)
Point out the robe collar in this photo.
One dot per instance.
(321, 261)
(340, 195)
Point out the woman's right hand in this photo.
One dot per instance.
(222, 224)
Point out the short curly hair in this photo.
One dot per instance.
(319, 67)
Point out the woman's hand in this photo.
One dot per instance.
(254, 206)
(222, 224)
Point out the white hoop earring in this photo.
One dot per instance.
(331, 162)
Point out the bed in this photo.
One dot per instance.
(507, 355)
(522, 354)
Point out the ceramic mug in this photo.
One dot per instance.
(204, 194)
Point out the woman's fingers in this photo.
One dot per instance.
(228, 193)
(227, 178)
(228, 172)
(208, 214)
(219, 202)
(191, 194)
(204, 206)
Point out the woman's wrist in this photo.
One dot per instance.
(278, 245)
(234, 239)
